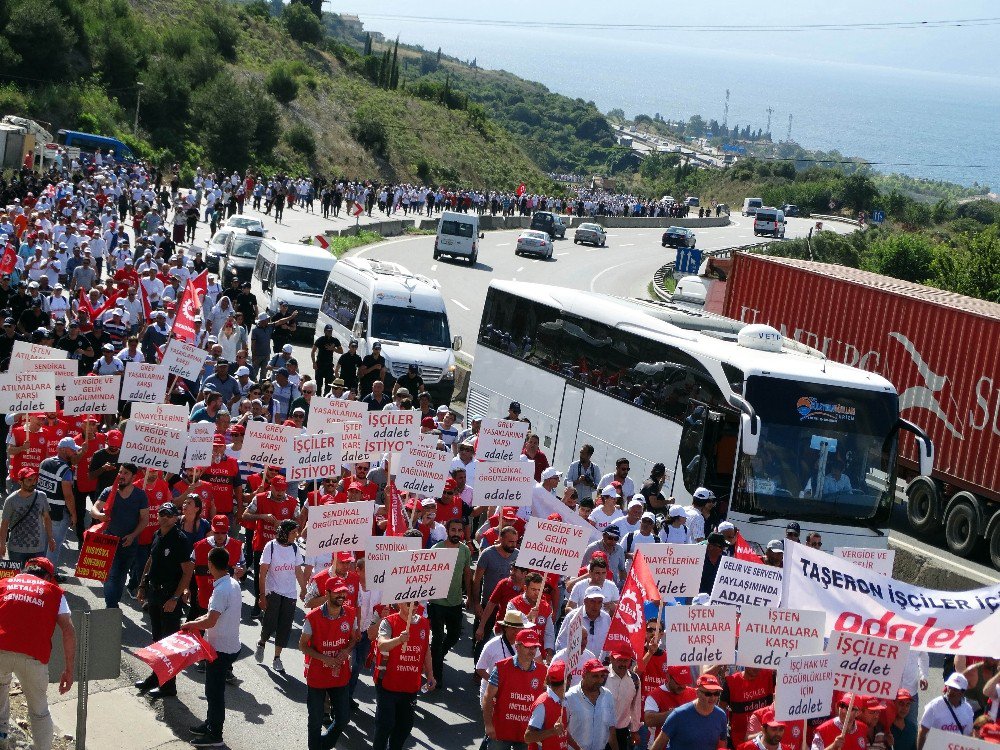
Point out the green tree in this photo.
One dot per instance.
(858, 191)
(302, 24)
(904, 256)
(282, 83)
(439, 56)
(394, 67)
(41, 38)
(368, 44)
(300, 138)
(368, 128)
(237, 121)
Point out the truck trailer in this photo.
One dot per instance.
(940, 349)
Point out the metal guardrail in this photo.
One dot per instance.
(667, 269)
(844, 219)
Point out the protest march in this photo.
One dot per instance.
(164, 448)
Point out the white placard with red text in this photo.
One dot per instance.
(804, 688)
(25, 392)
(351, 443)
(267, 444)
(700, 635)
(152, 447)
(326, 412)
(23, 353)
(866, 665)
(172, 416)
(418, 575)
(184, 360)
(377, 555)
(768, 635)
(939, 739)
(144, 382)
(64, 370)
(422, 470)
(501, 440)
(339, 527)
(507, 483)
(552, 547)
(92, 395)
(198, 451)
(390, 431)
(879, 560)
(676, 568)
(313, 457)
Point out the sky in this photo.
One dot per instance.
(967, 50)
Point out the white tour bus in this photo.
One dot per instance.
(294, 274)
(371, 300)
(777, 431)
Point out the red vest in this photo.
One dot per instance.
(201, 574)
(282, 509)
(544, 615)
(553, 712)
(516, 695)
(745, 697)
(35, 452)
(792, 738)
(352, 580)
(158, 493)
(96, 443)
(856, 740)
(220, 477)
(328, 637)
(404, 665)
(28, 610)
(446, 513)
(654, 674)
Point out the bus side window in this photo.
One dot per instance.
(361, 329)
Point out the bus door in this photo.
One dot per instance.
(568, 425)
(707, 453)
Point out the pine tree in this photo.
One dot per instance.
(439, 56)
(368, 44)
(383, 71)
(394, 67)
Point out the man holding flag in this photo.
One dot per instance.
(628, 626)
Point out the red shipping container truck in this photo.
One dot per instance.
(942, 352)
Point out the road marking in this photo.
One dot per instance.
(562, 254)
(434, 267)
(376, 246)
(948, 562)
(459, 304)
(589, 249)
(536, 260)
(627, 244)
(502, 244)
(519, 269)
(593, 281)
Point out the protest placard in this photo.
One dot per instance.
(151, 446)
(878, 560)
(422, 470)
(804, 688)
(769, 635)
(501, 440)
(415, 575)
(867, 665)
(313, 457)
(862, 601)
(324, 413)
(351, 444)
(144, 382)
(339, 527)
(25, 392)
(676, 568)
(574, 640)
(700, 635)
(171, 416)
(64, 370)
(23, 353)
(552, 547)
(390, 431)
(507, 483)
(198, 451)
(96, 555)
(939, 739)
(267, 444)
(92, 395)
(377, 556)
(184, 359)
(9, 568)
(741, 582)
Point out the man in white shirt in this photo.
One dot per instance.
(620, 474)
(591, 710)
(701, 507)
(596, 622)
(542, 495)
(949, 712)
(624, 685)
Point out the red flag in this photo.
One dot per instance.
(175, 653)
(9, 259)
(396, 520)
(194, 294)
(147, 309)
(521, 189)
(628, 626)
(744, 551)
(321, 241)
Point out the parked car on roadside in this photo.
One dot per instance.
(678, 237)
(591, 234)
(534, 242)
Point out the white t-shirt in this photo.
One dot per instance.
(610, 592)
(937, 716)
(283, 562)
(600, 519)
(495, 650)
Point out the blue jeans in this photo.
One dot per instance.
(115, 585)
(59, 531)
(215, 690)
(340, 708)
(138, 563)
(361, 649)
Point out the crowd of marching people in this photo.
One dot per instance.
(94, 265)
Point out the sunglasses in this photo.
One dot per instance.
(817, 545)
(713, 694)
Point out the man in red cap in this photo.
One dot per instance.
(664, 698)
(590, 708)
(791, 739)
(895, 719)
(626, 690)
(698, 725)
(223, 476)
(546, 726)
(329, 633)
(267, 510)
(339, 570)
(403, 656)
(770, 737)
(831, 734)
(743, 693)
(537, 611)
(199, 555)
(31, 606)
(871, 715)
(513, 686)
(90, 441)
(449, 506)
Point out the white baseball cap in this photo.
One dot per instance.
(241, 371)
(593, 592)
(609, 491)
(725, 526)
(551, 473)
(676, 511)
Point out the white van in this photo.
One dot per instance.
(369, 300)
(458, 236)
(769, 221)
(750, 206)
(296, 274)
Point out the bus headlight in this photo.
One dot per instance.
(449, 374)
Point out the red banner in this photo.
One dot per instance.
(396, 519)
(628, 626)
(744, 551)
(520, 190)
(96, 556)
(9, 259)
(191, 300)
(147, 309)
(175, 653)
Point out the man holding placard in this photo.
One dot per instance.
(844, 731)
(403, 656)
(446, 614)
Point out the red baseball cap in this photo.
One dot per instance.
(428, 423)
(44, 563)
(557, 671)
(528, 638)
(594, 666)
(870, 703)
(990, 732)
(904, 695)
(27, 473)
(774, 724)
(555, 517)
(220, 524)
(238, 430)
(115, 438)
(219, 439)
(623, 653)
(847, 698)
(709, 681)
(450, 484)
(680, 675)
(279, 482)
(335, 586)
(345, 557)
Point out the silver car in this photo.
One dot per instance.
(534, 242)
(592, 234)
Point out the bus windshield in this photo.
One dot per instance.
(825, 453)
(410, 326)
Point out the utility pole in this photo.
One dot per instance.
(788, 135)
(770, 111)
(138, 96)
(725, 115)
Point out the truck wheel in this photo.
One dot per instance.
(994, 544)
(960, 528)
(921, 505)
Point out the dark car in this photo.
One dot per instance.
(678, 237)
(239, 258)
(550, 223)
(790, 209)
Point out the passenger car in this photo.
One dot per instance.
(534, 242)
(550, 223)
(592, 234)
(678, 237)
(253, 227)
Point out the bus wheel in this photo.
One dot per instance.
(921, 505)
(960, 528)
